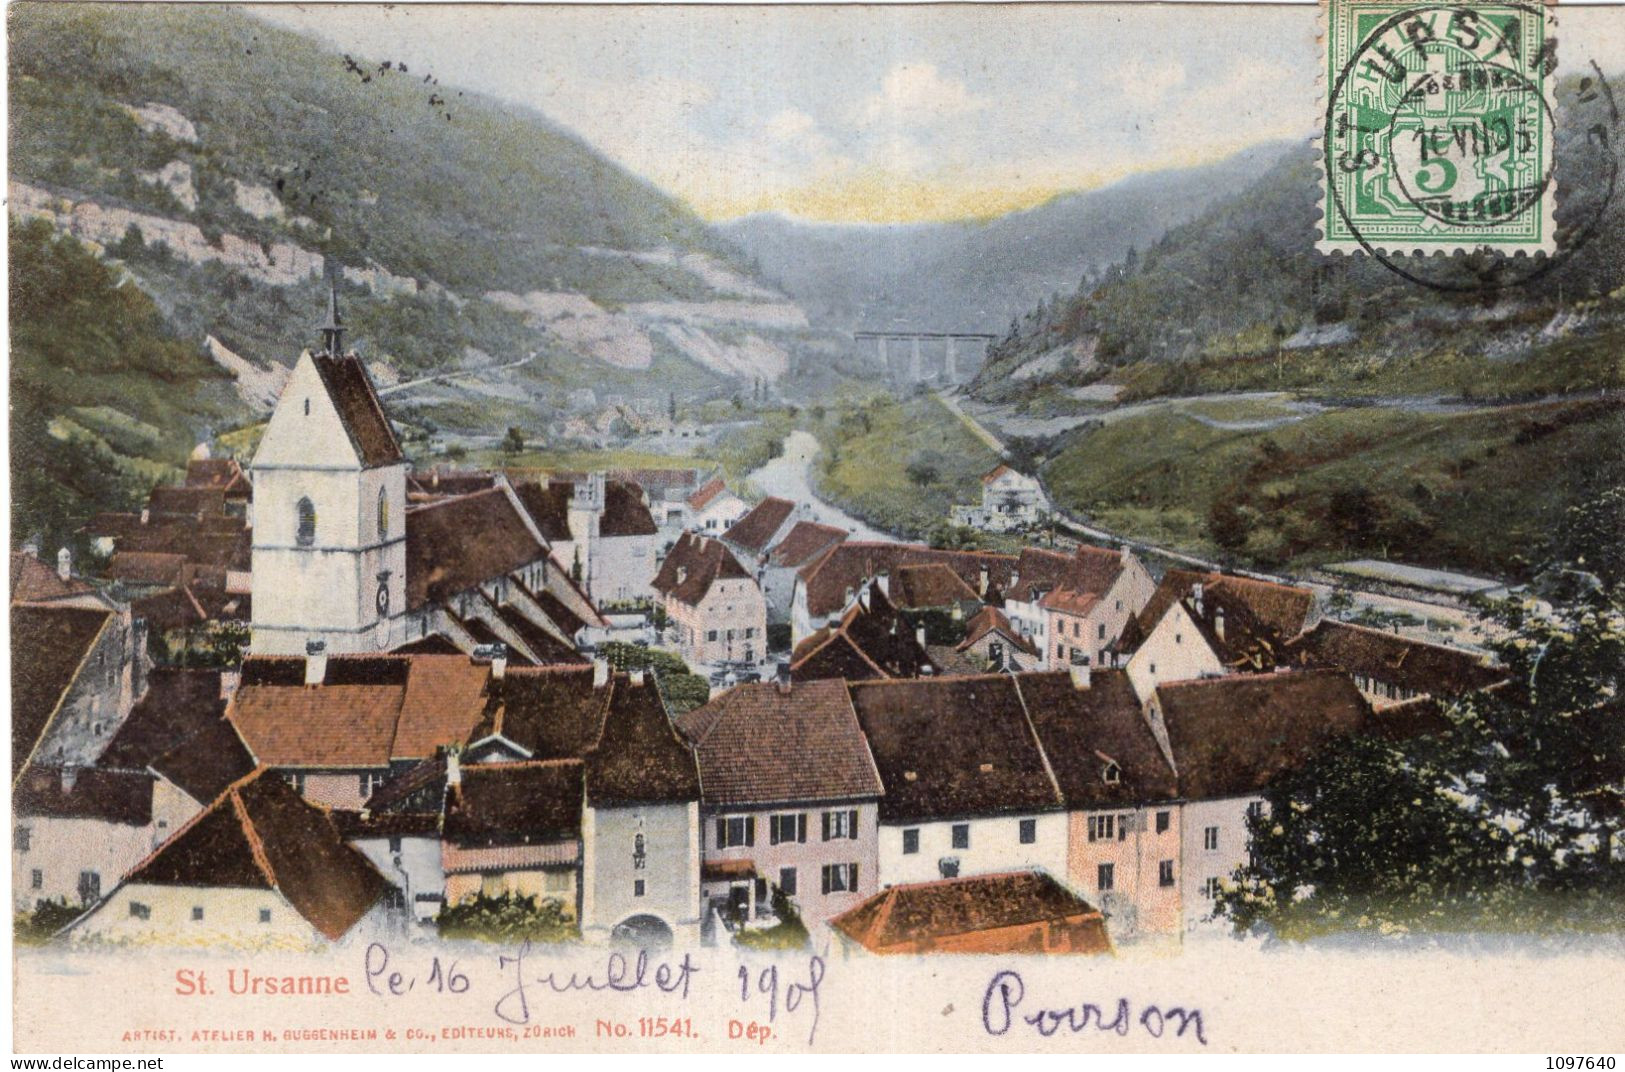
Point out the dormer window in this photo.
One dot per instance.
(305, 535)
(1111, 774)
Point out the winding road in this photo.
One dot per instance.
(789, 476)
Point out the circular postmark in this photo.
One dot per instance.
(1443, 119)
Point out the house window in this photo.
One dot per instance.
(295, 779)
(995, 652)
(840, 824)
(90, 886)
(1210, 838)
(139, 911)
(1103, 877)
(1163, 819)
(1165, 873)
(305, 535)
(383, 513)
(911, 841)
(786, 828)
(23, 839)
(1060, 651)
(1119, 604)
(265, 915)
(36, 879)
(1153, 669)
(1255, 810)
(637, 888)
(370, 781)
(1211, 888)
(1112, 774)
(1101, 827)
(750, 632)
(787, 881)
(197, 913)
(1100, 631)
(739, 830)
(307, 407)
(710, 634)
(840, 878)
(1029, 831)
(640, 858)
(961, 836)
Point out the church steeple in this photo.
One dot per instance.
(333, 330)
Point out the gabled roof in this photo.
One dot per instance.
(49, 645)
(1390, 658)
(904, 918)
(953, 747)
(805, 541)
(996, 472)
(223, 473)
(1085, 731)
(1230, 736)
(147, 567)
(761, 744)
(845, 567)
(993, 620)
(122, 797)
(871, 642)
(928, 585)
(443, 701)
(507, 803)
(349, 386)
(454, 544)
(693, 565)
(260, 834)
(1086, 571)
(186, 502)
(549, 649)
(625, 512)
(178, 705)
(1246, 623)
(753, 532)
(204, 764)
(550, 712)
(640, 758)
(33, 581)
(706, 492)
(1069, 601)
(548, 506)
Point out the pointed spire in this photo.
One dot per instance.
(333, 330)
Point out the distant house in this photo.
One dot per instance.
(1201, 625)
(1010, 500)
(968, 788)
(713, 509)
(1228, 737)
(1009, 913)
(804, 542)
(1391, 669)
(826, 585)
(714, 604)
(1074, 606)
(259, 868)
(766, 523)
(992, 643)
(872, 642)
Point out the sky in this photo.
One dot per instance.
(881, 114)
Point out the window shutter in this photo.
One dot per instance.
(852, 824)
(824, 875)
(722, 833)
(826, 830)
(750, 831)
(853, 875)
(801, 828)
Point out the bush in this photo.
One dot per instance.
(788, 933)
(509, 918)
(39, 926)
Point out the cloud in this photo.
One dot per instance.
(914, 94)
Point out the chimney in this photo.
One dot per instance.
(229, 680)
(64, 563)
(926, 670)
(600, 672)
(70, 776)
(981, 582)
(781, 677)
(636, 677)
(682, 574)
(1081, 674)
(919, 636)
(883, 579)
(146, 514)
(1218, 621)
(863, 597)
(1196, 597)
(454, 770)
(315, 662)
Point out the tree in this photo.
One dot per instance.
(922, 473)
(514, 441)
(1227, 524)
(1505, 817)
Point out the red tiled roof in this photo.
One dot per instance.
(549, 507)
(260, 834)
(901, 918)
(625, 512)
(549, 649)
(502, 803)
(1086, 730)
(1230, 736)
(805, 541)
(759, 744)
(204, 764)
(144, 567)
(928, 585)
(640, 758)
(33, 581)
(443, 701)
(846, 566)
(707, 491)
(993, 620)
(550, 712)
(693, 565)
(996, 472)
(350, 388)
(951, 747)
(178, 705)
(186, 501)
(1392, 659)
(871, 642)
(343, 726)
(753, 532)
(122, 797)
(223, 473)
(453, 545)
(49, 644)
(1069, 601)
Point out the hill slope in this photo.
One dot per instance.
(976, 275)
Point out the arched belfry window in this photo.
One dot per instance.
(383, 513)
(306, 535)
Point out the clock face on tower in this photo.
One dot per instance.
(383, 599)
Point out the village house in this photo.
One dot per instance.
(1228, 737)
(259, 868)
(714, 604)
(713, 509)
(1010, 501)
(872, 642)
(513, 829)
(806, 541)
(1015, 912)
(1075, 606)
(968, 789)
(826, 585)
(789, 800)
(1122, 797)
(1201, 625)
(1391, 669)
(767, 523)
(993, 644)
(76, 831)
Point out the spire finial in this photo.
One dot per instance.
(333, 330)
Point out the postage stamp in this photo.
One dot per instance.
(1439, 128)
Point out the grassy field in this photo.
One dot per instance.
(900, 465)
(1479, 490)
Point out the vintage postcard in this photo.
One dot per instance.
(772, 529)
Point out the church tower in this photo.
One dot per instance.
(329, 510)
